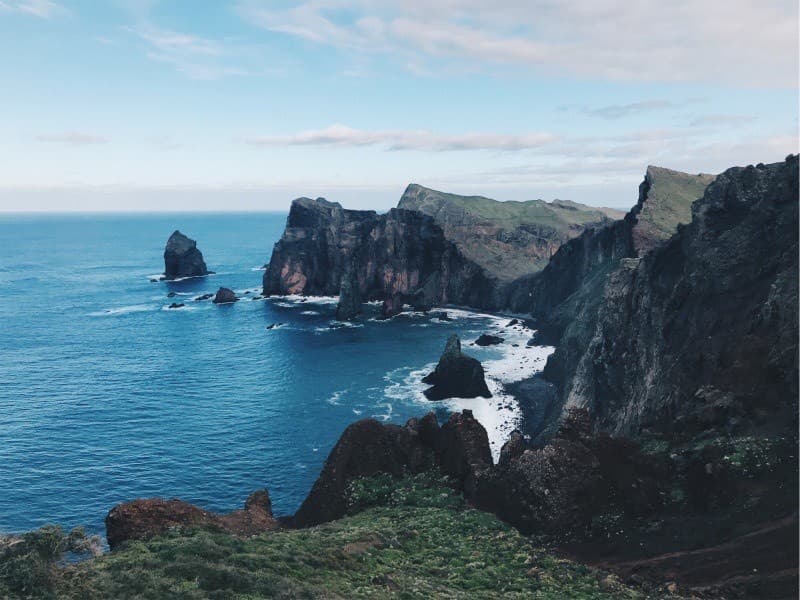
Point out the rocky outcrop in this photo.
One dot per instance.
(456, 375)
(401, 257)
(487, 339)
(507, 239)
(368, 448)
(559, 488)
(350, 301)
(703, 328)
(182, 258)
(225, 296)
(420, 253)
(147, 518)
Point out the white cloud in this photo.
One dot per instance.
(343, 136)
(741, 42)
(72, 138)
(198, 57)
(44, 9)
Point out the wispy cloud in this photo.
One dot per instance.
(72, 138)
(720, 120)
(727, 41)
(199, 57)
(343, 136)
(44, 9)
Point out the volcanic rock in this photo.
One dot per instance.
(489, 340)
(182, 258)
(146, 518)
(456, 376)
(366, 448)
(224, 296)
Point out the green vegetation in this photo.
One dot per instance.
(669, 201)
(409, 539)
(508, 239)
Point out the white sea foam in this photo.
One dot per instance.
(261, 268)
(122, 310)
(335, 397)
(298, 299)
(310, 312)
(501, 413)
(177, 279)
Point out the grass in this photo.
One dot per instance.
(409, 539)
(670, 199)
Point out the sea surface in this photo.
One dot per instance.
(107, 395)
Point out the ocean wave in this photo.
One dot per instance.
(335, 397)
(298, 299)
(122, 310)
(500, 414)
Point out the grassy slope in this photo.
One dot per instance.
(670, 199)
(559, 214)
(474, 222)
(413, 539)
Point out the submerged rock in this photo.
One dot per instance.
(489, 340)
(441, 315)
(456, 376)
(147, 518)
(182, 258)
(225, 296)
(177, 305)
(203, 297)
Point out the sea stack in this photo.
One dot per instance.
(225, 296)
(456, 376)
(182, 258)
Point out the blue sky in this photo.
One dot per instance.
(244, 105)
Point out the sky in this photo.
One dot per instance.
(174, 105)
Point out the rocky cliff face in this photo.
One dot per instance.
(182, 258)
(399, 257)
(700, 331)
(507, 239)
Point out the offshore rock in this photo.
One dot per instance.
(224, 296)
(456, 376)
(486, 339)
(182, 258)
(350, 302)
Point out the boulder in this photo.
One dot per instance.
(177, 305)
(463, 448)
(147, 518)
(489, 340)
(365, 448)
(456, 376)
(182, 258)
(224, 296)
(441, 315)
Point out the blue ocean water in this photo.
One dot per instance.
(106, 395)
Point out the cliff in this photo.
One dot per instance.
(698, 332)
(433, 249)
(399, 257)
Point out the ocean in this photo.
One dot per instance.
(107, 395)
